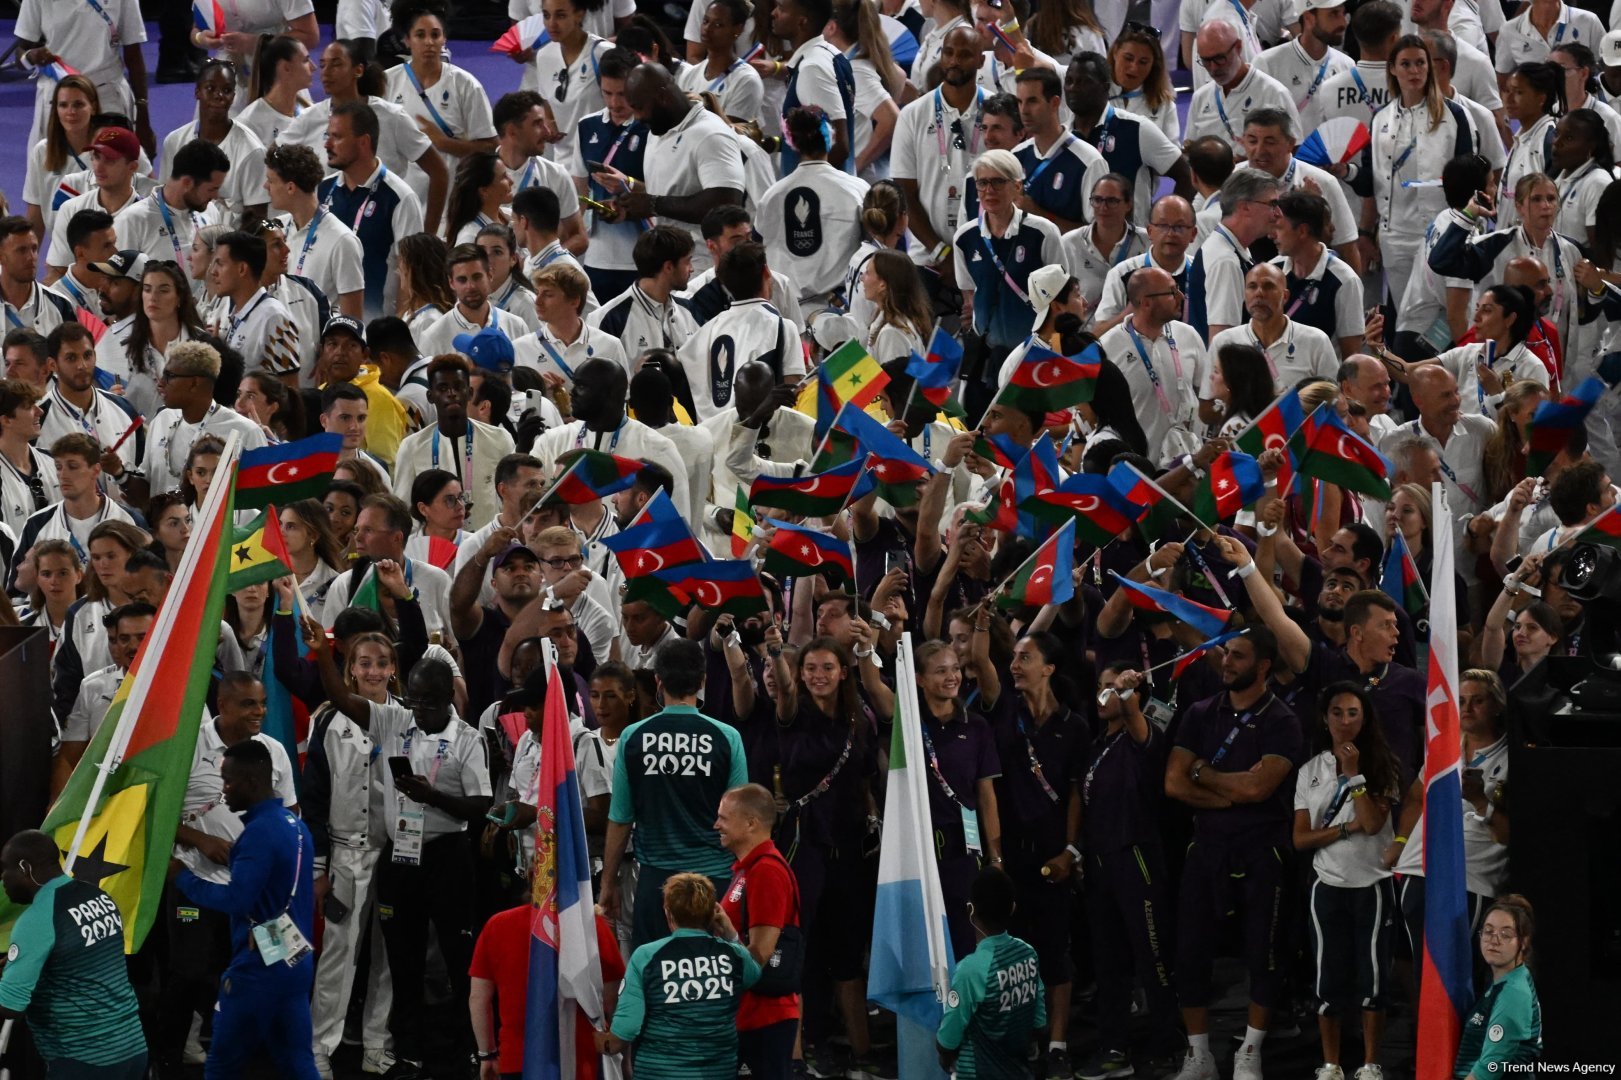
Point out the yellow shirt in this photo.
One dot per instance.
(388, 419)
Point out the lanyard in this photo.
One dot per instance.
(1311, 91)
(309, 238)
(1362, 91)
(112, 30)
(1046, 163)
(1288, 339)
(371, 190)
(169, 439)
(718, 83)
(557, 357)
(1333, 808)
(423, 94)
(73, 541)
(66, 281)
(940, 126)
(1446, 469)
(466, 478)
(826, 782)
(168, 226)
(1221, 110)
(608, 158)
(934, 765)
(985, 241)
(1491, 362)
(438, 756)
(528, 174)
(1243, 18)
(1214, 580)
(1097, 763)
(1558, 268)
(1148, 365)
(85, 418)
(238, 320)
(579, 439)
(1035, 762)
(1243, 724)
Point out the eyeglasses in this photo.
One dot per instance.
(565, 562)
(1142, 28)
(1270, 204)
(1110, 201)
(1488, 934)
(561, 633)
(991, 183)
(1171, 228)
(1209, 61)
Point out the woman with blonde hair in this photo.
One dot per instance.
(64, 149)
(903, 320)
(1504, 456)
(1141, 83)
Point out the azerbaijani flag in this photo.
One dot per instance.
(909, 972)
(656, 538)
(1400, 580)
(1157, 510)
(1446, 989)
(1046, 382)
(742, 523)
(999, 450)
(589, 475)
(1208, 621)
(1100, 512)
(1048, 576)
(1556, 421)
(258, 552)
(815, 495)
(1232, 482)
(565, 972)
(1185, 661)
(1272, 430)
(937, 372)
(1325, 448)
(1604, 530)
(725, 585)
(896, 467)
(795, 551)
(288, 472)
(117, 827)
(1037, 471)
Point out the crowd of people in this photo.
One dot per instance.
(646, 242)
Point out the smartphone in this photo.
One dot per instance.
(595, 166)
(399, 766)
(334, 909)
(895, 560)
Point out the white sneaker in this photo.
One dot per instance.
(1247, 1063)
(323, 1065)
(1370, 1071)
(377, 1062)
(1330, 1072)
(1199, 1065)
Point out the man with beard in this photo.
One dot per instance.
(1130, 144)
(456, 442)
(1313, 56)
(161, 225)
(514, 574)
(375, 201)
(470, 281)
(1171, 231)
(519, 481)
(1234, 755)
(74, 405)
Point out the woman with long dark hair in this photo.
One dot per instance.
(265, 399)
(508, 289)
(133, 348)
(1110, 414)
(1063, 29)
(282, 74)
(170, 519)
(1242, 382)
(424, 268)
(1343, 796)
(437, 506)
(477, 195)
(903, 319)
(1504, 317)
(64, 149)
(1535, 96)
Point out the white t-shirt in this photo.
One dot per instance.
(431, 449)
(1299, 352)
(399, 140)
(811, 222)
(457, 98)
(160, 231)
(1304, 77)
(739, 87)
(263, 331)
(1180, 372)
(169, 439)
(546, 173)
(1485, 861)
(266, 121)
(581, 92)
(244, 184)
(91, 43)
(1221, 113)
(1359, 859)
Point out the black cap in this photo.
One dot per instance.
(347, 324)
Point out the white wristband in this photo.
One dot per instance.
(863, 651)
(1262, 529)
(1244, 571)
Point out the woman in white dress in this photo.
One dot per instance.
(1141, 83)
(282, 74)
(63, 150)
(481, 188)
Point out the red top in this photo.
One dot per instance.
(773, 897)
(501, 956)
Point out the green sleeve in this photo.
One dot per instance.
(1041, 1003)
(621, 807)
(631, 1007)
(1512, 1012)
(33, 937)
(967, 991)
(740, 764)
(751, 966)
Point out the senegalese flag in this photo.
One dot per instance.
(1272, 430)
(118, 831)
(258, 552)
(1048, 576)
(589, 475)
(1401, 580)
(815, 495)
(1100, 513)
(1232, 482)
(1325, 448)
(849, 375)
(1045, 382)
(795, 551)
(742, 523)
(1556, 421)
(287, 472)
(1604, 530)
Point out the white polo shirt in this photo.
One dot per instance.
(433, 596)
(543, 172)
(1302, 76)
(1358, 860)
(457, 98)
(1221, 113)
(698, 154)
(1511, 366)
(60, 253)
(441, 336)
(169, 439)
(1463, 466)
(925, 149)
(266, 121)
(1299, 352)
(542, 350)
(1521, 43)
(203, 807)
(452, 760)
(811, 222)
(739, 87)
(582, 95)
(1112, 301)
(1180, 368)
(244, 184)
(326, 251)
(1090, 265)
(160, 231)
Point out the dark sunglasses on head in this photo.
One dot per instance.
(1143, 28)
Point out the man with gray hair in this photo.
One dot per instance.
(1269, 144)
(1235, 87)
(1249, 208)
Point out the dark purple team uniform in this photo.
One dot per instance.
(1398, 694)
(959, 754)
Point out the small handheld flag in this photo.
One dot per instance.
(258, 552)
(286, 473)
(724, 585)
(1325, 448)
(657, 538)
(1046, 382)
(795, 551)
(1400, 579)
(817, 495)
(1335, 142)
(589, 475)
(1100, 513)
(937, 372)
(1272, 430)
(1555, 422)
(1048, 576)
(1232, 482)
(1208, 621)
(208, 16)
(742, 523)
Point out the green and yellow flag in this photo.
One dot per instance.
(258, 552)
(148, 739)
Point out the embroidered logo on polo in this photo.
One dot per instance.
(1018, 254)
(804, 222)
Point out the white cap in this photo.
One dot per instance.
(1609, 49)
(1045, 285)
(1319, 5)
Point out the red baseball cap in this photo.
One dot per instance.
(117, 141)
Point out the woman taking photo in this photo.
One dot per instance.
(437, 505)
(823, 774)
(133, 349)
(1505, 1027)
(481, 188)
(735, 84)
(1537, 629)
(315, 554)
(1141, 83)
(1342, 804)
(64, 149)
(424, 269)
(170, 519)
(448, 104)
(282, 74)
(1535, 96)
(902, 319)
(508, 290)
(1584, 161)
(566, 73)
(1503, 320)
(1091, 251)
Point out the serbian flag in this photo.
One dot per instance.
(1208, 621)
(658, 537)
(1328, 450)
(1400, 580)
(1185, 661)
(1048, 576)
(729, 586)
(1045, 382)
(522, 36)
(1446, 989)
(286, 473)
(1556, 421)
(589, 475)
(208, 16)
(1157, 511)
(1232, 483)
(795, 551)
(1100, 513)
(565, 972)
(937, 372)
(1271, 431)
(1604, 530)
(816, 495)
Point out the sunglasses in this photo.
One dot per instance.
(562, 85)
(958, 141)
(1142, 28)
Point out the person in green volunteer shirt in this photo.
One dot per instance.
(997, 998)
(678, 1003)
(65, 971)
(1505, 1027)
(669, 777)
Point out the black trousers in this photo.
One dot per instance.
(437, 892)
(1128, 906)
(1216, 879)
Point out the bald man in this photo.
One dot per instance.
(1294, 351)
(1364, 380)
(1171, 231)
(1461, 439)
(1235, 88)
(1163, 360)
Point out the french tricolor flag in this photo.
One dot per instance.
(58, 69)
(208, 17)
(565, 971)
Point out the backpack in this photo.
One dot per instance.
(779, 975)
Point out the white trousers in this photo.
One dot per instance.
(340, 948)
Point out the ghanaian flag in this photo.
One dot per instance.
(148, 738)
(258, 552)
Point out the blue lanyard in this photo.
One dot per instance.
(528, 175)
(1221, 109)
(113, 30)
(1322, 73)
(1148, 366)
(1243, 724)
(168, 226)
(1331, 811)
(613, 444)
(238, 320)
(1491, 361)
(1243, 17)
(1046, 162)
(423, 94)
(985, 241)
(718, 83)
(82, 417)
(1362, 91)
(77, 295)
(309, 237)
(467, 446)
(557, 357)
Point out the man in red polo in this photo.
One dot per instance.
(761, 901)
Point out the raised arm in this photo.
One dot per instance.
(1293, 644)
(343, 699)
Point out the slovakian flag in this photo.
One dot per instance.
(1328, 450)
(1100, 513)
(589, 475)
(1446, 989)
(1400, 580)
(742, 523)
(1272, 430)
(795, 551)
(1604, 530)
(729, 586)
(1157, 511)
(1048, 576)
(658, 537)
(1208, 621)
(1185, 661)
(1232, 482)
(936, 373)
(1045, 382)
(1555, 422)
(814, 495)
(896, 467)
(1037, 471)
(296, 470)
(565, 972)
